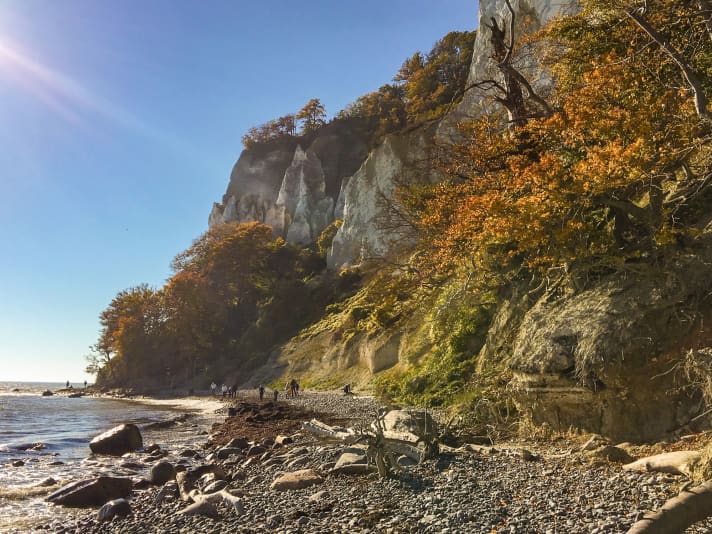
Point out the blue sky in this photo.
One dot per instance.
(120, 121)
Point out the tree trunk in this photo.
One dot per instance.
(691, 506)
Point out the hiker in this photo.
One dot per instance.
(213, 388)
(276, 394)
(293, 388)
(67, 383)
(224, 390)
(85, 384)
(287, 389)
(234, 391)
(262, 392)
(347, 389)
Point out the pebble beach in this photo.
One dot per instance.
(538, 487)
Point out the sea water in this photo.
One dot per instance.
(62, 427)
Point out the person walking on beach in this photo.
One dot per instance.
(234, 391)
(262, 392)
(85, 384)
(67, 383)
(224, 390)
(276, 394)
(213, 387)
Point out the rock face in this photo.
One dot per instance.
(601, 358)
(94, 492)
(117, 441)
(371, 229)
(530, 16)
(292, 184)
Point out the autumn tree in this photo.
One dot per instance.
(131, 338)
(382, 111)
(433, 82)
(274, 129)
(600, 179)
(312, 116)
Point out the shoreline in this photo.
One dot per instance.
(22, 492)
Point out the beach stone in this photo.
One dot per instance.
(47, 393)
(297, 480)
(240, 443)
(256, 450)
(318, 496)
(421, 424)
(188, 453)
(117, 507)
(226, 452)
(18, 463)
(92, 492)
(352, 462)
(214, 486)
(152, 447)
(161, 473)
(117, 441)
(49, 481)
(406, 461)
(142, 484)
(204, 508)
(169, 491)
(283, 440)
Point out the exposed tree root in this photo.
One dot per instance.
(676, 463)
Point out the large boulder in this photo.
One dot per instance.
(352, 461)
(117, 441)
(420, 423)
(93, 492)
(161, 472)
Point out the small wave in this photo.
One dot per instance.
(19, 493)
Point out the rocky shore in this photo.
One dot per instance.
(547, 487)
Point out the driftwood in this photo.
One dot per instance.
(186, 480)
(676, 463)
(337, 433)
(691, 506)
(384, 446)
(228, 498)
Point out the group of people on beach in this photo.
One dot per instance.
(227, 391)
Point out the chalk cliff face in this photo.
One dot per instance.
(370, 228)
(292, 184)
(298, 186)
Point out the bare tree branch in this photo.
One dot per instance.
(687, 71)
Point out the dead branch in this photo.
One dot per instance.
(678, 513)
(687, 71)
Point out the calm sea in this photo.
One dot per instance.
(64, 426)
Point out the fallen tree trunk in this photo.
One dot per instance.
(675, 463)
(691, 506)
(323, 430)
